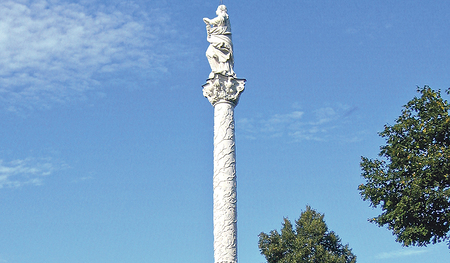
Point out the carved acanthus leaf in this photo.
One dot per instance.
(223, 88)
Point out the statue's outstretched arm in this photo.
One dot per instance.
(216, 21)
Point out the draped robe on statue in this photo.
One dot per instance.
(220, 50)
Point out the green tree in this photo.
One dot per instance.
(411, 182)
(309, 242)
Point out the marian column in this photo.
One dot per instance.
(223, 89)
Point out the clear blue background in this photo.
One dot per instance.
(106, 139)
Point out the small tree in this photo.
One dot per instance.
(411, 182)
(309, 242)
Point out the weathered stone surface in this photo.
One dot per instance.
(223, 88)
(220, 50)
(224, 183)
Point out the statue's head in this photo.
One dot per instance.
(222, 9)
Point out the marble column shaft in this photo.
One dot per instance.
(223, 93)
(224, 183)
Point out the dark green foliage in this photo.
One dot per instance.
(411, 182)
(309, 242)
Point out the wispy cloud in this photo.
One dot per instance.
(314, 124)
(54, 51)
(83, 179)
(402, 253)
(29, 171)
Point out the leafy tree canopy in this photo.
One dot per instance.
(411, 182)
(309, 242)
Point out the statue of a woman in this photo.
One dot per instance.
(220, 50)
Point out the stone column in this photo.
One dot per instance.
(223, 92)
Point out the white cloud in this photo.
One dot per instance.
(29, 171)
(274, 126)
(325, 115)
(298, 125)
(82, 179)
(52, 51)
(402, 253)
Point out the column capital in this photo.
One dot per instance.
(223, 88)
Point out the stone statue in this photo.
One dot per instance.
(220, 50)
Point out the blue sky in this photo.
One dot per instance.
(106, 139)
